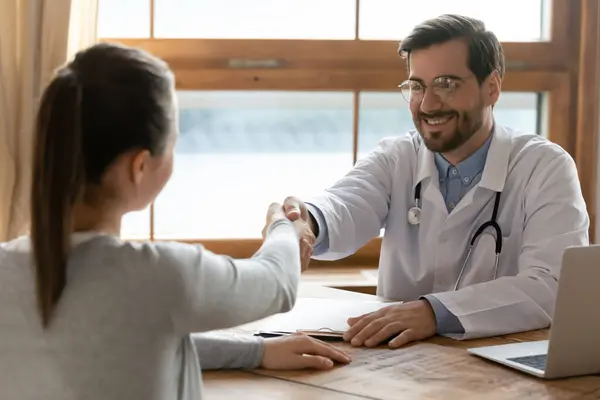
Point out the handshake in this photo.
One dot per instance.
(294, 210)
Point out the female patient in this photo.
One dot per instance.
(84, 315)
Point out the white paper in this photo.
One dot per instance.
(317, 314)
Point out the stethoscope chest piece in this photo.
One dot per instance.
(414, 215)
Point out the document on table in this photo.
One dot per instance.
(319, 316)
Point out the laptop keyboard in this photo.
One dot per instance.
(536, 361)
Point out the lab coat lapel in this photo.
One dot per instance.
(427, 175)
(496, 165)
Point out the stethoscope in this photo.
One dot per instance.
(414, 218)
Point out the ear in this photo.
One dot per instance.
(139, 166)
(492, 88)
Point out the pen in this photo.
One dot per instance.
(266, 334)
(274, 334)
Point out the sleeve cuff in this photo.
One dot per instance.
(322, 241)
(224, 351)
(277, 223)
(446, 322)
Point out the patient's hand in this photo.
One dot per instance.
(299, 351)
(274, 213)
(307, 240)
(305, 235)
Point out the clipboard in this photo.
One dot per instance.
(320, 318)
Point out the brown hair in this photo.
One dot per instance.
(109, 100)
(485, 51)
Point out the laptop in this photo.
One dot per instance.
(573, 346)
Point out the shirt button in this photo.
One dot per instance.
(452, 205)
(454, 171)
(466, 179)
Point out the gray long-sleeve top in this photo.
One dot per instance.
(122, 328)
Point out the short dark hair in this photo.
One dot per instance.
(107, 101)
(485, 51)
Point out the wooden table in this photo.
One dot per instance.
(438, 368)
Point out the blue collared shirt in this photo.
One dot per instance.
(454, 181)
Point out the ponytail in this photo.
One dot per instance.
(58, 180)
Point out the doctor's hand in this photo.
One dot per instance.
(295, 209)
(408, 322)
(299, 351)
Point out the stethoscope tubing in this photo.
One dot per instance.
(414, 218)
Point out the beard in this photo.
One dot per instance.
(467, 123)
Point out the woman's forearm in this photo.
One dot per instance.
(227, 351)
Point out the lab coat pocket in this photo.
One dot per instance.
(481, 264)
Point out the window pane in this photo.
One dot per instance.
(510, 20)
(386, 114)
(256, 19)
(240, 151)
(136, 225)
(123, 18)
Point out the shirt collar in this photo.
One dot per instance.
(495, 170)
(468, 168)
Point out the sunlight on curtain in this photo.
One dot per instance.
(35, 39)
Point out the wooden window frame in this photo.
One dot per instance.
(356, 65)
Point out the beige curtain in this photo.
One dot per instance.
(36, 37)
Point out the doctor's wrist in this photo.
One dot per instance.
(427, 303)
(445, 321)
(312, 223)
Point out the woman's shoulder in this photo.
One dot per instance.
(142, 253)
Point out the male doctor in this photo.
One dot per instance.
(433, 189)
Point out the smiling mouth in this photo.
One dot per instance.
(438, 120)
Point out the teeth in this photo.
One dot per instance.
(437, 121)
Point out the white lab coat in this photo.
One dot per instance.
(541, 212)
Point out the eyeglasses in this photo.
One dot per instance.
(444, 87)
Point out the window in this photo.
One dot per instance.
(123, 18)
(256, 19)
(136, 225)
(240, 151)
(392, 19)
(311, 19)
(312, 86)
(271, 145)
